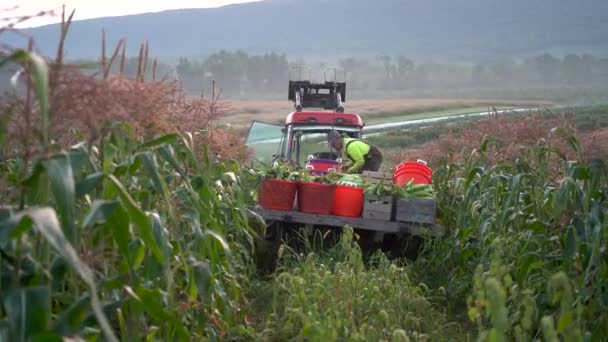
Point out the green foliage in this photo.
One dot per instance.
(526, 244)
(406, 191)
(416, 190)
(380, 188)
(282, 171)
(332, 295)
(40, 81)
(145, 240)
(173, 256)
(286, 171)
(328, 178)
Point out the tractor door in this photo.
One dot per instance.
(267, 141)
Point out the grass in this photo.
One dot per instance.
(415, 114)
(333, 295)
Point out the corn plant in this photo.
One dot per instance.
(130, 239)
(542, 217)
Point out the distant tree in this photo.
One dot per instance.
(276, 67)
(354, 70)
(348, 64)
(502, 71)
(572, 67)
(184, 67)
(191, 75)
(389, 67)
(405, 66)
(257, 72)
(601, 70)
(480, 76)
(548, 67)
(228, 69)
(422, 75)
(588, 65)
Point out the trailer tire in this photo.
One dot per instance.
(407, 246)
(267, 248)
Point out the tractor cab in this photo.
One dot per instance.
(302, 139)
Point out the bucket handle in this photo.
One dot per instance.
(420, 161)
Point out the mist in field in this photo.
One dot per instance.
(572, 78)
(567, 78)
(541, 50)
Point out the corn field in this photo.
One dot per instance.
(131, 236)
(130, 239)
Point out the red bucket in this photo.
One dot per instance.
(277, 194)
(348, 201)
(416, 171)
(316, 198)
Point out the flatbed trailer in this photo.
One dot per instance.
(377, 226)
(400, 238)
(417, 218)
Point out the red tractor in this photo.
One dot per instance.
(301, 140)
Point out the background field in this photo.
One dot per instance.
(241, 113)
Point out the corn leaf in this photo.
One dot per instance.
(87, 185)
(100, 212)
(140, 220)
(59, 171)
(151, 168)
(28, 310)
(70, 319)
(41, 83)
(165, 139)
(203, 277)
(45, 221)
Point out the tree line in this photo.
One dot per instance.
(242, 75)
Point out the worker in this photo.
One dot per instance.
(363, 155)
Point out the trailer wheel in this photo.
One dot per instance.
(406, 246)
(267, 249)
(367, 242)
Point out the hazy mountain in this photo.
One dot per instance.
(441, 29)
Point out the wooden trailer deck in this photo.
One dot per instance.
(416, 217)
(354, 222)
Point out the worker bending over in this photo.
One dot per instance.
(363, 155)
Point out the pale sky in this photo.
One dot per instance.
(86, 9)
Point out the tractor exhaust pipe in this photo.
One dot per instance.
(339, 104)
(298, 100)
